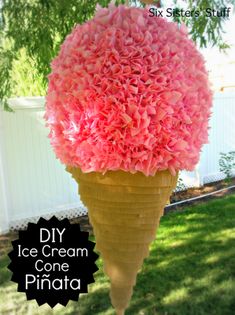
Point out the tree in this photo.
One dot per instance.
(40, 26)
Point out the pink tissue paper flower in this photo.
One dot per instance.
(128, 92)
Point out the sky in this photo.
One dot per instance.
(221, 65)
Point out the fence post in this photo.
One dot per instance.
(4, 219)
(198, 175)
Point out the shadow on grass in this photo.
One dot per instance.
(190, 271)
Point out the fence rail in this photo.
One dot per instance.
(34, 183)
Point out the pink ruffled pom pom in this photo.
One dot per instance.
(128, 92)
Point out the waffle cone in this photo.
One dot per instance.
(124, 210)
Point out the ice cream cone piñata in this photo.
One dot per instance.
(124, 210)
(128, 105)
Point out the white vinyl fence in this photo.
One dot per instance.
(221, 139)
(34, 183)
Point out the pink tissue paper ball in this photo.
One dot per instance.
(128, 92)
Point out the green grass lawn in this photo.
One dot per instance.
(190, 270)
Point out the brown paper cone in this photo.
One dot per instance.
(124, 210)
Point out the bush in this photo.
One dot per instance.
(180, 185)
(227, 164)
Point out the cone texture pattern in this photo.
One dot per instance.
(124, 210)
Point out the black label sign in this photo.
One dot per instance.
(53, 261)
